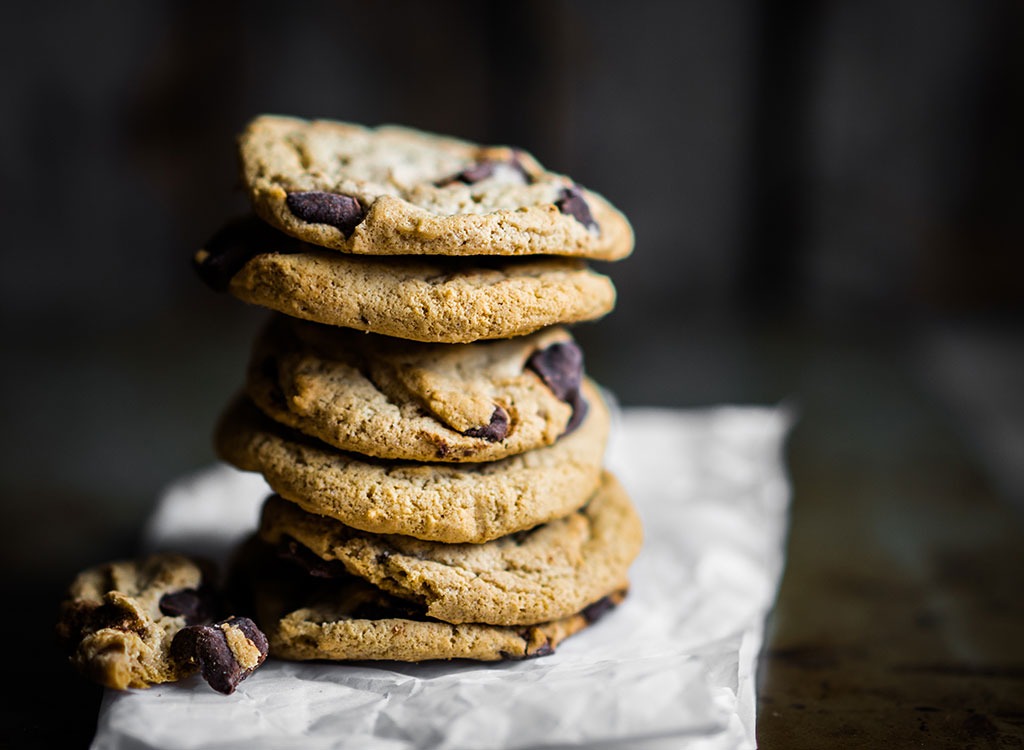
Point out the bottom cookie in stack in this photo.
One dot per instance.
(322, 590)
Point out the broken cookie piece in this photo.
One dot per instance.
(119, 620)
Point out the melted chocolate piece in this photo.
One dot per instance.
(207, 646)
(579, 412)
(318, 207)
(193, 605)
(544, 649)
(476, 173)
(233, 246)
(300, 555)
(493, 432)
(597, 610)
(484, 169)
(572, 203)
(560, 366)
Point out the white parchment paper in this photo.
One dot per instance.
(673, 667)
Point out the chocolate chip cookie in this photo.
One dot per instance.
(443, 502)
(329, 614)
(448, 300)
(139, 623)
(539, 575)
(397, 191)
(396, 399)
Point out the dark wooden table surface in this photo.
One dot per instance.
(900, 618)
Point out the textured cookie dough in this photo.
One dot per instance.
(397, 399)
(119, 619)
(540, 575)
(307, 617)
(398, 191)
(139, 623)
(469, 502)
(447, 300)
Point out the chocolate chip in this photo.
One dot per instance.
(210, 648)
(544, 649)
(234, 245)
(572, 203)
(597, 610)
(484, 169)
(318, 207)
(560, 366)
(188, 603)
(298, 554)
(579, 412)
(475, 173)
(536, 644)
(493, 432)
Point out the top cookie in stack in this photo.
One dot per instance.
(416, 400)
(396, 191)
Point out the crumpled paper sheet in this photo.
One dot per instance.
(673, 667)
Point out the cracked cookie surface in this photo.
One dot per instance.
(396, 399)
(543, 574)
(398, 191)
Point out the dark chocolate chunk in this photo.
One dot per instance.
(579, 412)
(190, 603)
(560, 366)
(493, 432)
(484, 169)
(475, 173)
(532, 652)
(318, 207)
(572, 203)
(208, 647)
(544, 649)
(299, 554)
(234, 245)
(597, 610)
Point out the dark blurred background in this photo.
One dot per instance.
(827, 200)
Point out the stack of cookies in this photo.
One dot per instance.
(416, 400)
